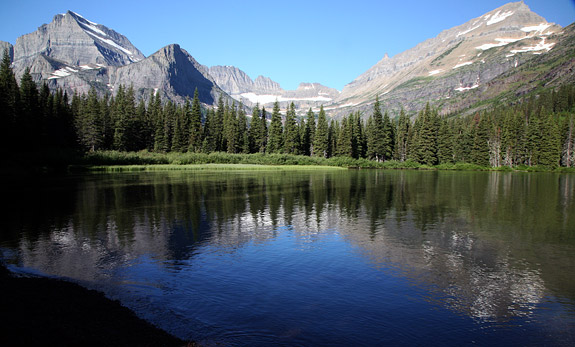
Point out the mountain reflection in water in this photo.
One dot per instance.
(493, 247)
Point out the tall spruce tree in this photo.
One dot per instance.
(401, 137)
(321, 138)
(376, 140)
(275, 136)
(291, 134)
(195, 124)
(309, 133)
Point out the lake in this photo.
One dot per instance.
(311, 258)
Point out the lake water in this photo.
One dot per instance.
(313, 258)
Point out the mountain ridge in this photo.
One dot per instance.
(77, 54)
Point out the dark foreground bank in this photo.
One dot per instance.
(49, 312)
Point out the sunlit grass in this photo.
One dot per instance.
(110, 161)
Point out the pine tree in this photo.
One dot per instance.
(425, 137)
(275, 136)
(291, 135)
(549, 145)
(9, 101)
(568, 145)
(209, 138)
(231, 134)
(195, 124)
(445, 143)
(180, 134)
(255, 130)
(480, 149)
(375, 134)
(243, 134)
(219, 126)
(308, 134)
(89, 123)
(401, 136)
(321, 138)
(29, 121)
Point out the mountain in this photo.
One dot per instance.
(7, 46)
(76, 41)
(75, 54)
(459, 61)
(265, 92)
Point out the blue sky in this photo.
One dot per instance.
(330, 42)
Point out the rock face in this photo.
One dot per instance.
(457, 61)
(7, 46)
(171, 71)
(265, 92)
(74, 40)
(76, 54)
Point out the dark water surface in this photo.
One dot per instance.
(313, 258)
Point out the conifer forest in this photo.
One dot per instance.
(538, 130)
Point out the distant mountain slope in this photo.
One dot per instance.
(265, 92)
(454, 63)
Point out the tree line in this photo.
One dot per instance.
(540, 130)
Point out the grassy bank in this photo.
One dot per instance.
(144, 160)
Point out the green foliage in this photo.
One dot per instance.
(536, 134)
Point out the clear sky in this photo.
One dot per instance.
(331, 42)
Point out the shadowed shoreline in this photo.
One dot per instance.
(45, 311)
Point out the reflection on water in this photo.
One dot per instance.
(352, 246)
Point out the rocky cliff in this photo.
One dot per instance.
(75, 54)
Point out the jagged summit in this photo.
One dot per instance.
(73, 40)
(264, 91)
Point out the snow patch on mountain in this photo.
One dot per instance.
(462, 64)
(500, 42)
(267, 98)
(541, 46)
(498, 17)
(537, 28)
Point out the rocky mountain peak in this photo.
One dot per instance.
(71, 39)
(466, 48)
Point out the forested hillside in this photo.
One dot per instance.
(540, 130)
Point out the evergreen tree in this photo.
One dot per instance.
(308, 134)
(195, 124)
(445, 143)
(376, 138)
(89, 125)
(209, 138)
(425, 137)
(568, 145)
(9, 101)
(480, 149)
(231, 134)
(291, 135)
(180, 134)
(243, 134)
(275, 137)
(321, 138)
(219, 126)
(401, 137)
(387, 138)
(29, 121)
(549, 145)
(256, 131)
(345, 139)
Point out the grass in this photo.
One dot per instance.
(110, 161)
(209, 167)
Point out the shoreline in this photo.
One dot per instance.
(47, 311)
